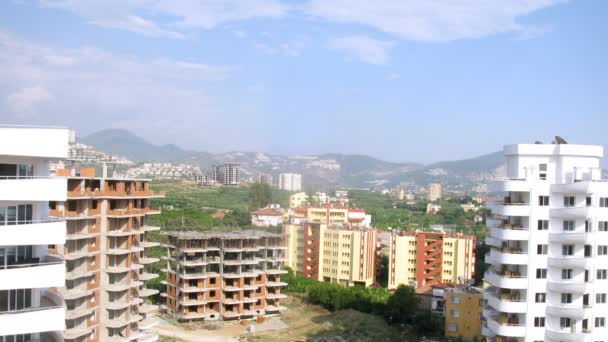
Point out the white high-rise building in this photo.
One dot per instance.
(548, 271)
(31, 305)
(290, 181)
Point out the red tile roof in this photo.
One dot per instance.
(268, 212)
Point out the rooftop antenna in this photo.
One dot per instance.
(560, 141)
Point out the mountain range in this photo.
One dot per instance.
(340, 170)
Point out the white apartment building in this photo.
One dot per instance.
(549, 258)
(290, 181)
(31, 304)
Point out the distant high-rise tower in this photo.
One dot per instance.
(548, 270)
(290, 181)
(434, 192)
(264, 178)
(31, 279)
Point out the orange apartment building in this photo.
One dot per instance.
(423, 259)
(105, 293)
(223, 276)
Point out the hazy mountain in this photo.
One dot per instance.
(125, 143)
(332, 169)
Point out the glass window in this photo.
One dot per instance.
(2, 216)
(11, 215)
(568, 225)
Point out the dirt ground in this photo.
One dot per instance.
(301, 322)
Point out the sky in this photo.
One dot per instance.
(401, 80)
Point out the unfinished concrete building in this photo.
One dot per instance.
(222, 276)
(105, 257)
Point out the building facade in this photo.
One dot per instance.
(105, 293)
(434, 192)
(264, 178)
(222, 276)
(299, 199)
(270, 216)
(548, 271)
(290, 181)
(463, 312)
(31, 302)
(423, 259)
(336, 253)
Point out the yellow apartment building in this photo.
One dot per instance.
(422, 259)
(299, 199)
(463, 309)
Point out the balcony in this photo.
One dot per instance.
(572, 212)
(502, 327)
(34, 141)
(569, 286)
(570, 262)
(508, 256)
(509, 209)
(506, 303)
(33, 189)
(147, 292)
(43, 232)
(510, 232)
(566, 335)
(46, 317)
(48, 271)
(511, 185)
(570, 236)
(566, 310)
(508, 280)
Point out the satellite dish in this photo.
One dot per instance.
(560, 140)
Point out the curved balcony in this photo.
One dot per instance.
(44, 272)
(556, 334)
(570, 236)
(570, 262)
(511, 185)
(48, 316)
(41, 232)
(508, 256)
(492, 241)
(506, 329)
(506, 281)
(505, 303)
(578, 287)
(572, 212)
(509, 209)
(507, 232)
(565, 310)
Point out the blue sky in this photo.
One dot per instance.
(400, 80)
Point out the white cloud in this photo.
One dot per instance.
(23, 100)
(285, 49)
(89, 87)
(143, 16)
(363, 48)
(441, 20)
(239, 33)
(393, 76)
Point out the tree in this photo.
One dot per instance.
(401, 305)
(260, 195)
(383, 273)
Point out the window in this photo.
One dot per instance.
(602, 250)
(588, 201)
(540, 297)
(567, 249)
(600, 298)
(568, 225)
(587, 251)
(600, 322)
(603, 202)
(543, 224)
(565, 322)
(588, 226)
(543, 201)
(455, 300)
(541, 249)
(566, 274)
(542, 174)
(569, 201)
(539, 322)
(541, 273)
(453, 327)
(566, 298)
(454, 313)
(602, 274)
(602, 226)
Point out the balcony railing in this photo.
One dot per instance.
(34, 262)
(20, 222)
